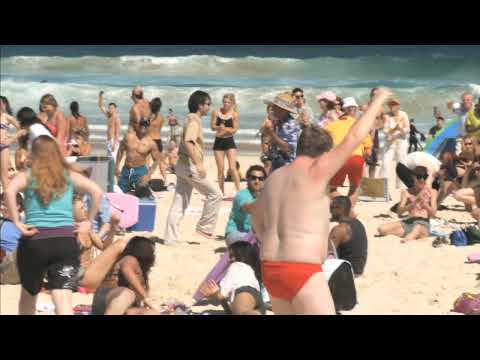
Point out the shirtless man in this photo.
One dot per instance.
(114, 126)
(140, 109)
(137, 145)
(291, 218)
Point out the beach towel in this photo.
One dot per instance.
(124, 206)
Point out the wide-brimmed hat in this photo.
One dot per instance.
(393, 102)
(283, 101)
(349, 101)
(327, 95)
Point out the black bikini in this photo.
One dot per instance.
(227, 143)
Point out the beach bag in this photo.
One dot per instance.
(468, 304)
(340, 279)
(473, 235)
(458, 238)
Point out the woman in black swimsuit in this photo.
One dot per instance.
(225, 123)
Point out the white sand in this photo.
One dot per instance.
(412, 278)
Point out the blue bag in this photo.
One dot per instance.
(458, 238)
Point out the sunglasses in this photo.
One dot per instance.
(259, 178)
(421, 177)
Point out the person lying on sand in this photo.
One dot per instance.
(421, 204)
(126, 285)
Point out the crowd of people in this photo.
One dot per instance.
(58, 232)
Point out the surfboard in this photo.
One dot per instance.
(444, 138)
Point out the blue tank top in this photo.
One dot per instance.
(59, 211)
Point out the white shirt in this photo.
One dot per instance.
(420, 158)
(238, 275)
(35, 131)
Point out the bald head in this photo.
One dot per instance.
(467, 100)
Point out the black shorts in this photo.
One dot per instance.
(58, 258)
(259, 304)
(159, 144)
(224, 144)
(372, 159)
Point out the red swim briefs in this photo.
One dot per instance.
(284, 280)
(353, 168)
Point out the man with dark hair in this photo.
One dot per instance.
(140, 109)
(191, 174)
(305, 113)
(138, 146)
(239, 223)
(440, 122)
(291, 219)
(352, 244)
(9, 238)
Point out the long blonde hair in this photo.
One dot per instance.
(231, 97)
(49, 169)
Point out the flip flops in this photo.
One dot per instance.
(204, 234)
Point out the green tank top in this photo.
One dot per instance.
(58, 213)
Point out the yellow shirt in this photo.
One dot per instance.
(473, 120)
(338, 129)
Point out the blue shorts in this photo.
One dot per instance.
(130, 178)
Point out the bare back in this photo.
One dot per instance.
(294, 226)
(141, 110)
(155, 128)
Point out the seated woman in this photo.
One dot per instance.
(80, 147)
(126, 286)
(87, 240)
(421, 204)
(452, 171)
(239, 291)
(470, 179)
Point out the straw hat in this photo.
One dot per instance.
(283, 101)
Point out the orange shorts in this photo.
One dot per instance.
(284, 280)
(353, 168)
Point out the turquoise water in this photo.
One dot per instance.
(421, 76)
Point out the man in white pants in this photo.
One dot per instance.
(191, 174)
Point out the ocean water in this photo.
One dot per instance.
(420, 76)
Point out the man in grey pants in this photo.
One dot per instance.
(191, 174)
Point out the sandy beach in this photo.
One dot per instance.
(408, 279)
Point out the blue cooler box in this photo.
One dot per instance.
(146, 216)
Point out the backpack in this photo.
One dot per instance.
(468, 304)
(339, 275)
(458, 238)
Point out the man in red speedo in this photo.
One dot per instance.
(291, 218)
(353, 168)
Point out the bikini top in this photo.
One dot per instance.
(425, 194)
(3, 126)
(227, 122)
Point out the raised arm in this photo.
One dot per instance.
(13, 121)
(403, 207)
(326, 166)
(101, 103)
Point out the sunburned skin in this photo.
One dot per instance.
(291, 216)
